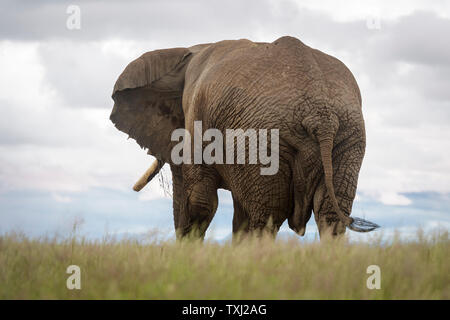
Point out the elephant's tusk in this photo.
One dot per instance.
(148, 175)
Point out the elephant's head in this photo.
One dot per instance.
(147, 99)
(148, 107)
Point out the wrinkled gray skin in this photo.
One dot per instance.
(311, 97)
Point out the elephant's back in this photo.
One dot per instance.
(247, 84)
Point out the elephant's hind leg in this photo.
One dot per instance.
(302, 209)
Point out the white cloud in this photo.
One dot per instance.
(22, 74)
(45, 143)
(348, 10)
(61, 198)
(391, 198)
(85, 77)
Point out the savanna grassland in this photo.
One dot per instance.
(254, 269)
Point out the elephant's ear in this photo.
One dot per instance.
(159, 69)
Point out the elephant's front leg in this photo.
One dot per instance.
(200, 201)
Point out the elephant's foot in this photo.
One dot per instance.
(330, 226)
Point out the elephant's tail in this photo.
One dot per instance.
(326, 148)
(324, 128)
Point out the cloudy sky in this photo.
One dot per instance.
(61, 160)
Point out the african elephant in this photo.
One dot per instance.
(311, 98)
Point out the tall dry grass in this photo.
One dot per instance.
(254, 269)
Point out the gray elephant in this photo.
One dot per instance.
(309, 97)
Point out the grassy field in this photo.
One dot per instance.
(264, 269)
